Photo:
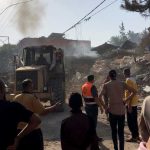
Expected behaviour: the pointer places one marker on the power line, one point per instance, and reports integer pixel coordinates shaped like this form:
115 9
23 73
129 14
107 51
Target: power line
8 19
84 16
11 14
101 10
15 5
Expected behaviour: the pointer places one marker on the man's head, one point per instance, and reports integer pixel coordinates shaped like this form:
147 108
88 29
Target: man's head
75 101
113 74
27 85
126 72
90 78
2 90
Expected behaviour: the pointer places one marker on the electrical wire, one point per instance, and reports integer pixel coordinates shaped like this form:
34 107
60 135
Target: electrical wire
15 5
101 10
4 23
8 21
84 17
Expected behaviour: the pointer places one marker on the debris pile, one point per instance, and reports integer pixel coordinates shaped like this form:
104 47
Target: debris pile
139 65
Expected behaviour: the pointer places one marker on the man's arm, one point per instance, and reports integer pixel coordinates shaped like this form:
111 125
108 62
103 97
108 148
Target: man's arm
95 95
51 108
40 109
132 93
27 116
103 93
32 124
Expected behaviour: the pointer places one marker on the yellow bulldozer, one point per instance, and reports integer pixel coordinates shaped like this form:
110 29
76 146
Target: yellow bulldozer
45 66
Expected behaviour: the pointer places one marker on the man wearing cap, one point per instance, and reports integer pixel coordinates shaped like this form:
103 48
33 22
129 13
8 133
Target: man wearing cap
90 95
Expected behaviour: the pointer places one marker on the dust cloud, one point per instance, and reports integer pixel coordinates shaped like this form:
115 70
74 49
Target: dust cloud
29 16
79 49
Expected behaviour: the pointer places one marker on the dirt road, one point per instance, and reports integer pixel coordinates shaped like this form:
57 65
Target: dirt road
51 130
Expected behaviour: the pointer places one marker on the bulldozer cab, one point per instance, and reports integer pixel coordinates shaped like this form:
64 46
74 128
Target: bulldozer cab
41 55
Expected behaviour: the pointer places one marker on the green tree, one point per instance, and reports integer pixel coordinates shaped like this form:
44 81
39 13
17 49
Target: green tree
115 40
134 37
140 6
144 33
122 32
121 38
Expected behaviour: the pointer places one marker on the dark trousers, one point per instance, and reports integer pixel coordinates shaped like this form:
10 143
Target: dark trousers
132 122
32 141
92 112
117 128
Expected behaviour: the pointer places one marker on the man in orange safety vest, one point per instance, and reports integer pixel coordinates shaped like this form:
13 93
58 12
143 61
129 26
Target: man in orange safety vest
90 95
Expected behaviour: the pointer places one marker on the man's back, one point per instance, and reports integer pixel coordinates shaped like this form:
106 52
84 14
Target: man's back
76 132
31 103
115 92
132 83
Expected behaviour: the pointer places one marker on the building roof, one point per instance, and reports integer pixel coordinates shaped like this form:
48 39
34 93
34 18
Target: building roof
128 45
56 36
104 47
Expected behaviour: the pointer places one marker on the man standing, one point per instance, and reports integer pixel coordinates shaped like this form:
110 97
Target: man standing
90 95
77 130
132 108
114 90
35 139
11 113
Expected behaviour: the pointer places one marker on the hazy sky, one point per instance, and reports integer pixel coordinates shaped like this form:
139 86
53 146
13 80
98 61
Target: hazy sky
59 15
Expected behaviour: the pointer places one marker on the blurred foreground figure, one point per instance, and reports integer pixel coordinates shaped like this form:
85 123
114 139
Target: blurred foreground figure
11 113
144 124
144 145
78 131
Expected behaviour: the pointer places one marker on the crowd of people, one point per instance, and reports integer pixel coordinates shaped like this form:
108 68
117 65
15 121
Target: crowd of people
20 121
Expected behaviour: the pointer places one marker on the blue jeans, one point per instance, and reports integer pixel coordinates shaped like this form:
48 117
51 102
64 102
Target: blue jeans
92 112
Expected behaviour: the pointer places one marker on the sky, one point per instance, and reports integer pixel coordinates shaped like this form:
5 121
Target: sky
58 15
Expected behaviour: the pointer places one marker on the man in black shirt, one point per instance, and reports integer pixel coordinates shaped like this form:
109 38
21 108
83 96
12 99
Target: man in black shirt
11 113
78 130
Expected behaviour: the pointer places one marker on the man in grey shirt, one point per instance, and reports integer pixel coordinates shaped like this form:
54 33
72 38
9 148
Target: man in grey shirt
114 90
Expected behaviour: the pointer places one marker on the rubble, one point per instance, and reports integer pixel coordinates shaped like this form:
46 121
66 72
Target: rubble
146 88
139 65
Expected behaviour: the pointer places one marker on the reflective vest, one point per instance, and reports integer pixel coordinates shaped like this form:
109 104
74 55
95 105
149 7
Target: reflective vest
86 93
86 90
